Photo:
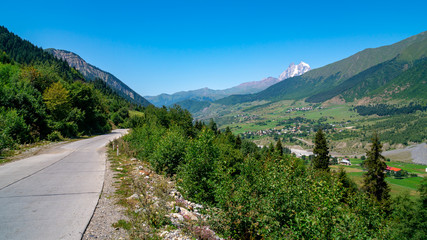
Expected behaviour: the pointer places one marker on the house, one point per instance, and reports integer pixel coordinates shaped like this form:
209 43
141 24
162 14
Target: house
388 169
345 161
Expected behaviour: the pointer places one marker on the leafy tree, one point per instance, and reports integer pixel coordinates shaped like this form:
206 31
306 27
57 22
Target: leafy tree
374 180
57 100
13 129
321 151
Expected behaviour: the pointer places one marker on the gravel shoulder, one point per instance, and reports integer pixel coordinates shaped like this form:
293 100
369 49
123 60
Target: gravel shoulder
107 212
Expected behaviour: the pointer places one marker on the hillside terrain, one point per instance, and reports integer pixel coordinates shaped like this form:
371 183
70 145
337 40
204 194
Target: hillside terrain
91 73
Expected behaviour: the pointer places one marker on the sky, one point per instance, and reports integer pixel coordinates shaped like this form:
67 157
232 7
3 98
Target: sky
169 46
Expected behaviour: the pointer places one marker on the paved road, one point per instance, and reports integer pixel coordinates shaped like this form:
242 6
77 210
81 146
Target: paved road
53 195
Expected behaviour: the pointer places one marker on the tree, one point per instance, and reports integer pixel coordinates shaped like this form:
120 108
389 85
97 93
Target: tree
321 152
279 147
349 187
57 100
374 180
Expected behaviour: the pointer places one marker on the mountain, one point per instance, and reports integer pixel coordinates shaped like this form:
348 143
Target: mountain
331 76
294 70
385 80
209 95
91 72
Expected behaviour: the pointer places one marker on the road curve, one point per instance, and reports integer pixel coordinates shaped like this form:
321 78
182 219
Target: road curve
53 195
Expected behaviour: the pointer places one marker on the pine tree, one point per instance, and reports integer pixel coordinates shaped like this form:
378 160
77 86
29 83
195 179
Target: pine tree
238 142
321 152
279 147
374 180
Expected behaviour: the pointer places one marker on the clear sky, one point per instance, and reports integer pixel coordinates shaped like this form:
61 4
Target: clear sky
168 46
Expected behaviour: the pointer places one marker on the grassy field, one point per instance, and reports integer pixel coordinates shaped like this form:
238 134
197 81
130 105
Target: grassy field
409 185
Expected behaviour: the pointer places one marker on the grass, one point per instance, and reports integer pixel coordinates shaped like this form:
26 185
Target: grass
397 186
411 183
410 167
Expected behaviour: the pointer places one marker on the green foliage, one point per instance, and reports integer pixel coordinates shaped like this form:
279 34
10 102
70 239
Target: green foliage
363 83
55 136
321 152
409 218
57 100
256 193
384 110
169 152
197 174
374 179
13 129
193 105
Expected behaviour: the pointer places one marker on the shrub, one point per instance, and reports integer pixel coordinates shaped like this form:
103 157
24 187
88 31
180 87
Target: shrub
169 152
55 136
196 176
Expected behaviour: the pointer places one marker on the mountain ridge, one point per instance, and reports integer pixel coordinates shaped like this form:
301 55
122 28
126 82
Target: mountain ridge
210 95
92 72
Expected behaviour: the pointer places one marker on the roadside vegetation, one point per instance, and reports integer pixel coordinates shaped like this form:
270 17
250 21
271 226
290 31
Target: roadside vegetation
265 193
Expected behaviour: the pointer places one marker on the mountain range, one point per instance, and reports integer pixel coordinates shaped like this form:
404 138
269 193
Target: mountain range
373 72
91 73
209 95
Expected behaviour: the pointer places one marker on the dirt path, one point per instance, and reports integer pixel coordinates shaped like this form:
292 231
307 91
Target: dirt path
415 154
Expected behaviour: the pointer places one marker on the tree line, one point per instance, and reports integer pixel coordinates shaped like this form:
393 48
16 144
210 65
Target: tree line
388 110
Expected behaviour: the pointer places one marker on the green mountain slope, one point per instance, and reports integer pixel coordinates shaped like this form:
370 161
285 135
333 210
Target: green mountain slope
410 85
372 81
330 76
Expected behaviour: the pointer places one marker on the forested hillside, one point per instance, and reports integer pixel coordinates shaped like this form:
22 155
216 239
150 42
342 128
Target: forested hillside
41 97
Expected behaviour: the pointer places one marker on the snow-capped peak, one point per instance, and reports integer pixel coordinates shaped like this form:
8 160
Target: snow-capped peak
294 70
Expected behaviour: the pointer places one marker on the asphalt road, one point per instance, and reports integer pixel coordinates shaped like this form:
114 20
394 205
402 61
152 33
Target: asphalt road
53 195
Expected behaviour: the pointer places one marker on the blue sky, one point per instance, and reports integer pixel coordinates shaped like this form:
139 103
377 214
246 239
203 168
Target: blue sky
168 46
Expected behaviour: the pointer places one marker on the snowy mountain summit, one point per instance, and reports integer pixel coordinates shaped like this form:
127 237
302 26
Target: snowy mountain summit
294 70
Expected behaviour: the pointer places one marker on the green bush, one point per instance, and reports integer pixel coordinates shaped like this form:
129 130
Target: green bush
55 136
196 176
169 152
13 129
